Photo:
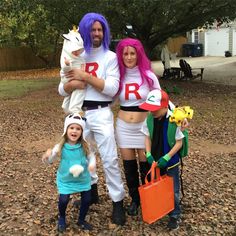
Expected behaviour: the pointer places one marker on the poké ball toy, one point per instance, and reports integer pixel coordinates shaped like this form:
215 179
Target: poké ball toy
181 113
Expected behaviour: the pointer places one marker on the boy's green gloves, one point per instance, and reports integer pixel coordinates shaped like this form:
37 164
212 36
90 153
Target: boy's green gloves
149 157
162 162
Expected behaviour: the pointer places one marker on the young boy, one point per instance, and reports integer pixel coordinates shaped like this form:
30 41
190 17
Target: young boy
167 157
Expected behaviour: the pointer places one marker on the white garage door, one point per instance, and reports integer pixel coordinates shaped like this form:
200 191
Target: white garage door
234 42
216 42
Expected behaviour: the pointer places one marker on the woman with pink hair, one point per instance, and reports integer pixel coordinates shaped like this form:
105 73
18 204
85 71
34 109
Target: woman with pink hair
136 80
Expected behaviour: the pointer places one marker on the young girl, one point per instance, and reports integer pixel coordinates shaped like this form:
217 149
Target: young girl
73 173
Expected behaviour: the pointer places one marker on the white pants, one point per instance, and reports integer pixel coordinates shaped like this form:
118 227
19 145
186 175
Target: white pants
100 126
74 102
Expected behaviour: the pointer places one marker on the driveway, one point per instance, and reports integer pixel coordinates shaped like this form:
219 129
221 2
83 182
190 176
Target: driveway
217 69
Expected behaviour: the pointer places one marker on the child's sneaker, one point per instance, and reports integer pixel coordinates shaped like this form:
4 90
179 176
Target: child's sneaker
84 225
61 225
173 223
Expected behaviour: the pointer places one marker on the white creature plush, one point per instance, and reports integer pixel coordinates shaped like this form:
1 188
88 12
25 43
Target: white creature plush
76 170
72 42
73 47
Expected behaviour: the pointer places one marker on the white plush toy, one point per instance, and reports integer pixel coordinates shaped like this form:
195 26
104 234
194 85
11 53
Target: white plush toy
72 49
72 42
76 170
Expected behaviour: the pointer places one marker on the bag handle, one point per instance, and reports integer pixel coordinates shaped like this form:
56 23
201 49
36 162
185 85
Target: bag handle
155 173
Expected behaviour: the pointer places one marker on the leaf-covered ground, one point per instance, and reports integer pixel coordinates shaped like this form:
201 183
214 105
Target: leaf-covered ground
28 196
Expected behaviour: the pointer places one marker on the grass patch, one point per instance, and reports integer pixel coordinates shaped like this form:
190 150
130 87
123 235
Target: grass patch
18 88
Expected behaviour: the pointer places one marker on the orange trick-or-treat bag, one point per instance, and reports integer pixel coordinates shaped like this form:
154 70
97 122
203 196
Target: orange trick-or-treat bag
156 196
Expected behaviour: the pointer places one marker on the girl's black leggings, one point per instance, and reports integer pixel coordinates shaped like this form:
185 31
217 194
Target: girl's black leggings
84 206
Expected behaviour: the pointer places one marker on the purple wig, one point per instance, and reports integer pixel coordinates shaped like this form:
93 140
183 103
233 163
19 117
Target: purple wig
85 27
143 62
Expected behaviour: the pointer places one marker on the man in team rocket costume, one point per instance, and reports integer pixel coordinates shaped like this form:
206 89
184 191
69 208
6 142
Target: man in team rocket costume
102 78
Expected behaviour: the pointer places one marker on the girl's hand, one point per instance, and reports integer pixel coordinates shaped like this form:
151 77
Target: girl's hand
46 155
91 168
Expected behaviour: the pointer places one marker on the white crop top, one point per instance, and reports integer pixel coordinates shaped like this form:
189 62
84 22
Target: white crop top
133 93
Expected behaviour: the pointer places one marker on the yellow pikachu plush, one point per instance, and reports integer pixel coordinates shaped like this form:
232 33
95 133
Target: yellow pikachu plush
181 113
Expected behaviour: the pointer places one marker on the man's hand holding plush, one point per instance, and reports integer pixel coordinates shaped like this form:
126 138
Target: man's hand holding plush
149 157
162 162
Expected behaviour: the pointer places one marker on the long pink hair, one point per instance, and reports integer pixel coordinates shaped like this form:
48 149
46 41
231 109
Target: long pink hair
143 62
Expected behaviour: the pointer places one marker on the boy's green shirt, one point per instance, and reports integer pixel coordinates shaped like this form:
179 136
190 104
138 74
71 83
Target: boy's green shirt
171 131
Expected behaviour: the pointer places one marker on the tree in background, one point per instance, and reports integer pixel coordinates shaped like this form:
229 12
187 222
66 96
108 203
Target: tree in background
39 23
154 21
29 23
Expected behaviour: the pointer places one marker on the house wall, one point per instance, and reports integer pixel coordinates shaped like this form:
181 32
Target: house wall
216 40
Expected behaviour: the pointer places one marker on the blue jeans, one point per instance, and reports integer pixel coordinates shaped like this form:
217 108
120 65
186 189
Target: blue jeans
174 172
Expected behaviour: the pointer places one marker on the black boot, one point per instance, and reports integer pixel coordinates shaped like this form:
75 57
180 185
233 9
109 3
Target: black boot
94 194
132 180
118 213
144 167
